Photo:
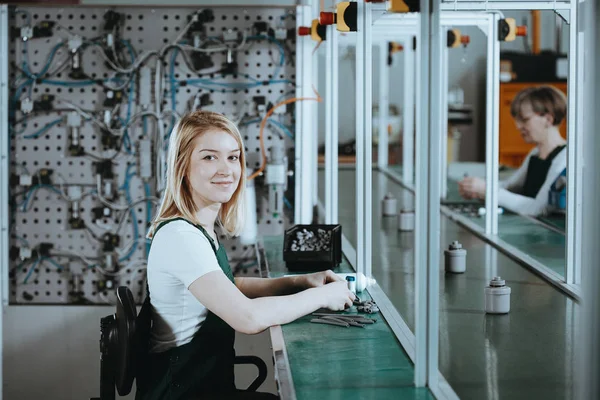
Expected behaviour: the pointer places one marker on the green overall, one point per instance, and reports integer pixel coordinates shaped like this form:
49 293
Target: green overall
202 368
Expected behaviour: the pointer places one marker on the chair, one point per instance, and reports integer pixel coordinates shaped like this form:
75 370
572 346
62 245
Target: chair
117 361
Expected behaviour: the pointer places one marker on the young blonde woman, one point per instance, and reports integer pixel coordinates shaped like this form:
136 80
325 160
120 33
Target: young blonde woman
196 304
538 112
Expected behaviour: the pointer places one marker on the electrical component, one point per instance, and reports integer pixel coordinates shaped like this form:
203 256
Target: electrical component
105 285
406 220
110 242
455 38
113 97
201 60
45 103
260 28
24 253
497 297
112 20
43 177
74 123
345 18
230 36
317 32
26 105
76 68
25 180
43 249
260 105
43 29
104 169
508 30
276 178
393 47
389 205
26 33
101 212
455 258
145 158
281 33
75 193
196 29
108 140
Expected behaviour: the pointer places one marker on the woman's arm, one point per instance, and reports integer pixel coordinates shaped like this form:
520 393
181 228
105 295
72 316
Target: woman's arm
538 205
262 287
222 297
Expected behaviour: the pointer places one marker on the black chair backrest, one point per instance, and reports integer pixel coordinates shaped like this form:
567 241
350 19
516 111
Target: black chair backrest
124 345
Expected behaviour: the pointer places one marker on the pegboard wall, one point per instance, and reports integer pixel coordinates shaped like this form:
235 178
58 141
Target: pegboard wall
94 95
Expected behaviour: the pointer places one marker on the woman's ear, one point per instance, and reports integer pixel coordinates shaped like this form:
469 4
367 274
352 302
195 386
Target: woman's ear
550 118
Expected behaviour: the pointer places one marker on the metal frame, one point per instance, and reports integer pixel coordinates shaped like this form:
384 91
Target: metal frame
574 150
364 141
492 131
4 167
331 127
383 105
304 124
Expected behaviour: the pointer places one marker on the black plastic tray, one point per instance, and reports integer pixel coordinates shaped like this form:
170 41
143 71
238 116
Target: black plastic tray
312 261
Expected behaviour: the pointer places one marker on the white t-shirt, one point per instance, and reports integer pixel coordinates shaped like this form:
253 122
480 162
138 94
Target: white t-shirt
180 254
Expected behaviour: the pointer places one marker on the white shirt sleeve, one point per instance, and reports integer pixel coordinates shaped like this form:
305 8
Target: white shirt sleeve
516 181
538 205
184 252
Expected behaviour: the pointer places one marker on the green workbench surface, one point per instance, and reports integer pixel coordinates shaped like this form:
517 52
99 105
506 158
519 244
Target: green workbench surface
540 243
330 362
526 354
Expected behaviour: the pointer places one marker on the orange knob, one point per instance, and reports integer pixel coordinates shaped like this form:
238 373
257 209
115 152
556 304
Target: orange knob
326 18
465 39
303 31
521 30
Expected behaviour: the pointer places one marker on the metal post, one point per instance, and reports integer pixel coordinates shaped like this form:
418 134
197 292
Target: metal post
411 75
304 123
492 126
4 166
421 196
364 143
589 350
438 44
574 149
331 127
384 105
444 119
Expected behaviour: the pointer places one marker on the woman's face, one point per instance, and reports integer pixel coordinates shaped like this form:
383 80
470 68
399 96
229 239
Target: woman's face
215 167
533 127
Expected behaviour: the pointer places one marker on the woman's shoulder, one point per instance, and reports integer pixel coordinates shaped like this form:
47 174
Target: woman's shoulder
177 228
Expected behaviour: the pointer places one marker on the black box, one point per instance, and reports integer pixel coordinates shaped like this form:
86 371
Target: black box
311 261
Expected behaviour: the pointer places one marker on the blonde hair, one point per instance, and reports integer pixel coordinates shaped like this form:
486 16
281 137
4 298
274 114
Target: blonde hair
177 198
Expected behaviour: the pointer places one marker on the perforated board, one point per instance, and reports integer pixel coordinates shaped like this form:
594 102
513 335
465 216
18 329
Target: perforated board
47 213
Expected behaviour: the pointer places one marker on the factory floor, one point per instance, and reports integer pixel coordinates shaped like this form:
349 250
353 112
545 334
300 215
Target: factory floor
526 354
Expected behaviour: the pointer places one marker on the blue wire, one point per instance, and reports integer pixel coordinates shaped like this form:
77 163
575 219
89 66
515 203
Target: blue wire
31 269
34 189
281 126
284 128
23 240
132 213
47 127
57 265
287 203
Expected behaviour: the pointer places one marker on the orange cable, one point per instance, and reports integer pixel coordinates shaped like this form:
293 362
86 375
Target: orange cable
264 123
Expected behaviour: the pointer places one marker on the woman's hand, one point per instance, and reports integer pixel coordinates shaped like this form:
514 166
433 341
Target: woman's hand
472 188
335 296
318 279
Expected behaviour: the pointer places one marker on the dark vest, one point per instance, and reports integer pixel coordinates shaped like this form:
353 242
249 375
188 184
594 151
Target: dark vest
194 370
